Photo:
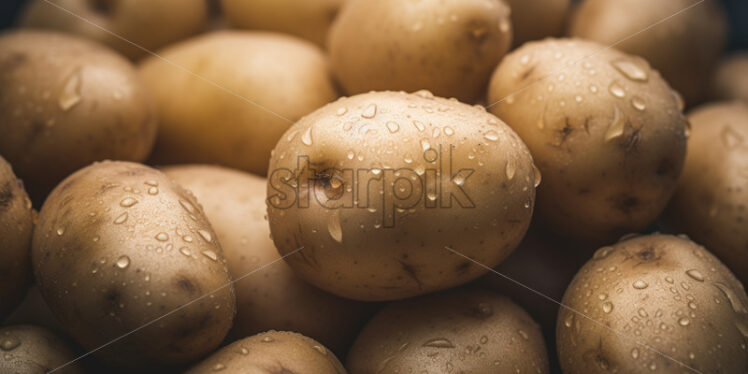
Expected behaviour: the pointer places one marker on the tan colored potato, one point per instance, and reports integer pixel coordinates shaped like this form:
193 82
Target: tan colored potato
308 19
537 19
16 224
731 78
117 247
269 295
711 201
654 304
465 331
667 33
272 352
67 102
605 129
446 46
29 349
242 92
127 26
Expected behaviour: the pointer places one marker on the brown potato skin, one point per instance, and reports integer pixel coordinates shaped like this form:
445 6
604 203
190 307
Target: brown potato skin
36 351
234 202
666 292
608 167
16 224
463 331
731 78
537 19
45 143
448 47
710 202
85 228
271 352
265 82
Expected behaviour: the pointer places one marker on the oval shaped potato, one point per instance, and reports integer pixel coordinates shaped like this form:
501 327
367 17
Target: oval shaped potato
144 24
308 19
464 331
655 304
369 196
712 195
117 247
665 32
65 103
33 350
271 352
731 78
242 92
604 128
537 19
234 202
446 46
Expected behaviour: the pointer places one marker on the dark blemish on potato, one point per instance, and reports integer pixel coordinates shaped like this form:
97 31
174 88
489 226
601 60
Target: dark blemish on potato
647 254
6 195
411 272
462 268
35 130
626 203
665 167
103 7
633 140
186 285
13 61
527 73
192 328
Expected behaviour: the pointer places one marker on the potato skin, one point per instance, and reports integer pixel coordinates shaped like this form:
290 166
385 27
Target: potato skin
234 202
663 291
65 103
463 331
117 246
279 79
16 224
710 202
605 130
271 352
537 19
446 46
364 238
731 79
33 350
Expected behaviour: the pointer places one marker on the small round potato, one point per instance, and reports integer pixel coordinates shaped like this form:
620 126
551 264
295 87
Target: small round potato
606 131
464 331
711 201
234 202
731 78
239 93
29 349
537 19
271 352
371 196
446 46
65 103
121 249
653 304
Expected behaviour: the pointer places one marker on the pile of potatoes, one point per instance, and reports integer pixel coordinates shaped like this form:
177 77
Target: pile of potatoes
373 187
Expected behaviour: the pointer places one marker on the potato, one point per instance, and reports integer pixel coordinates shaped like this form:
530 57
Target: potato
65 103
131 27
537 19
665 32
446 46
29 349
271 352
655 304
465 331
16 224
119 248
605 130
712 195
369 197
731 78
234 202
308 19
240 92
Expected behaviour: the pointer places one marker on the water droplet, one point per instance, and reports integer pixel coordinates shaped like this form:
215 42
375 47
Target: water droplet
187 206
491 136
218 367
185 251
603 253
341 111
731 138
607 307
370 111
616 127
734 299
483 339
320 349
616 90
205 235
504 25
630 70
538 176
244 351
638 103
60 231
684 321
419 125
121 218
425 145
695 274
593 88
123 262
333 226
153 191
128 202
70 95
210 254
640 285
635 353
511 169
9 343
438 343
187 238
642 313
306 138
523 334
449 131
393 127
267 339
162 236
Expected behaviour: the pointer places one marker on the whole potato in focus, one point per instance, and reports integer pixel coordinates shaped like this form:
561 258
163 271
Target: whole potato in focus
537 19
465 331
664 32
605 130
371 196
117 247
308 19
711 201
239 93
65 103
234 202
271 352
33 350
731 78
143 24
654 304
446 46
16 224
